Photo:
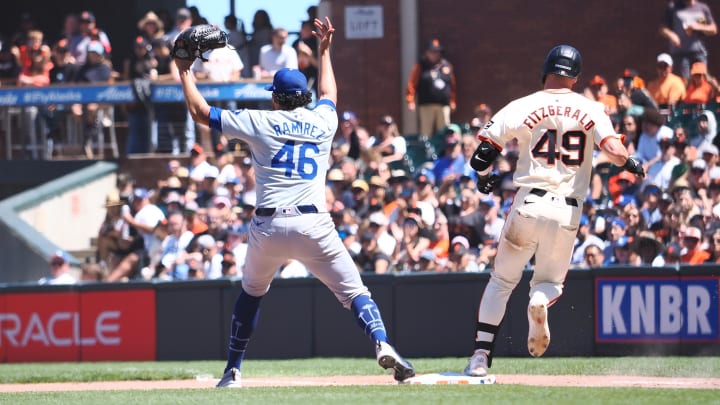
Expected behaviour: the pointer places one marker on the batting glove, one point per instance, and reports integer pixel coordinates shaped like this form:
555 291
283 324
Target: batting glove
486 183
633 166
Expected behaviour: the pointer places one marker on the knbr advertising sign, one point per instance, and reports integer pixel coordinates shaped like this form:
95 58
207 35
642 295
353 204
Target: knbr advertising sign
78 326
663 310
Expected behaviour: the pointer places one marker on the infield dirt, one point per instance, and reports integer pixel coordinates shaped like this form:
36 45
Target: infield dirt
249 382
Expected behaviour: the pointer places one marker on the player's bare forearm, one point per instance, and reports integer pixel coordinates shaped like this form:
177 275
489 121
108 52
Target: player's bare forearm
198 108
618 155
615 150
327 87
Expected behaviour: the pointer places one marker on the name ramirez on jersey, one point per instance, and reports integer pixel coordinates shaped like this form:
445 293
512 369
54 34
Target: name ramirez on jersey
558 111
290 150
298 128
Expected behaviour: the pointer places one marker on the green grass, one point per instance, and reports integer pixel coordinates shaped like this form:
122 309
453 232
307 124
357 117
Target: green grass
415 394
104 371
426 394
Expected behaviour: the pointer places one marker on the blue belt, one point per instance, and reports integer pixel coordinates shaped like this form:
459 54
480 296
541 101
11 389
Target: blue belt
303 209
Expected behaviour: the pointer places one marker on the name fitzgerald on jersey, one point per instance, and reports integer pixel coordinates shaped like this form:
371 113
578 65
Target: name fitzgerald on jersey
298 128
558 111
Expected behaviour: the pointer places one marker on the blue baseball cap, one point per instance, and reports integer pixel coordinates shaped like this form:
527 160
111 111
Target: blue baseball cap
140 194
60 256
623 241
288 81
349 116
652 189
619 222
488 200
624 200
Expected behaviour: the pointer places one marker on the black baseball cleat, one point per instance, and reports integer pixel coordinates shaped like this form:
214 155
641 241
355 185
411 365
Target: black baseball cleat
387 358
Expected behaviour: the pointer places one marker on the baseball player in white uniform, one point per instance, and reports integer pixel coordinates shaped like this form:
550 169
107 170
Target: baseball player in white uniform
557 131
290 150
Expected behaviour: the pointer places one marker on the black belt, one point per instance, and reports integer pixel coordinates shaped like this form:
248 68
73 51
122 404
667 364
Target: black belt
303 209
568 200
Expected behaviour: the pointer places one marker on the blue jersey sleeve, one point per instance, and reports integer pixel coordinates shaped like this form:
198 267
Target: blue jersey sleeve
326 102
216 118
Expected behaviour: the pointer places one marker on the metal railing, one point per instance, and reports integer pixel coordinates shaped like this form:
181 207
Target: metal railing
24 128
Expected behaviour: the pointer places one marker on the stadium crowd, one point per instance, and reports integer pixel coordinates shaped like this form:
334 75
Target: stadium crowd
402 203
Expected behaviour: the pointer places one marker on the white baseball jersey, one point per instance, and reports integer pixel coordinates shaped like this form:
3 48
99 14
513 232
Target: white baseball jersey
290 149
556 131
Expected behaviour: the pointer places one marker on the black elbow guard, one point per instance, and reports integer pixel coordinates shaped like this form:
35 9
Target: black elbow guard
484 156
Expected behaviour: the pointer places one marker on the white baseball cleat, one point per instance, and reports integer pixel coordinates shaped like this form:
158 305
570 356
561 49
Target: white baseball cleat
538 330
231 379
477 365
387 358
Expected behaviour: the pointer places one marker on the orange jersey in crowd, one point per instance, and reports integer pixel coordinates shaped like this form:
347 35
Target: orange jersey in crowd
702 94
697 256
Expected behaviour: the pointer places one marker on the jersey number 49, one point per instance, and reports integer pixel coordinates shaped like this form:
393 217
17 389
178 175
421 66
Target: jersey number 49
573 142
305 166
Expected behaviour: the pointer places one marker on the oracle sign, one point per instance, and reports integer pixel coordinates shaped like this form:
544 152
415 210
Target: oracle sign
47 331
76 326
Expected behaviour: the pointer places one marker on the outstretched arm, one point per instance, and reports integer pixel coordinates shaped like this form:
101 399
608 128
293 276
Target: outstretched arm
618 155
197 106
326 77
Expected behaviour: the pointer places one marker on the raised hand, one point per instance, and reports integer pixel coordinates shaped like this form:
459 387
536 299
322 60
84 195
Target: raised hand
324 33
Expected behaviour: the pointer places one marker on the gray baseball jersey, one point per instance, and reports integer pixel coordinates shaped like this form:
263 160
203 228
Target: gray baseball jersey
291 154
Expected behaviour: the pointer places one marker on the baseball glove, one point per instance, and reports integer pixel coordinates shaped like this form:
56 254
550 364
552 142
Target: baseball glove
194 41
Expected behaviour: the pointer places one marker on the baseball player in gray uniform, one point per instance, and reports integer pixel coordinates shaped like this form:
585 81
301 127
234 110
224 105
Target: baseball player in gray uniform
557 130
290 148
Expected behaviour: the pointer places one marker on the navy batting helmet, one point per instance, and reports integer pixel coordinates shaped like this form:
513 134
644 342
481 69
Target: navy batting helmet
563 60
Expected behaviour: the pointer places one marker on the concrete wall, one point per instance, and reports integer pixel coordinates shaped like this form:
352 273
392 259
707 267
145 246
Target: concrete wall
61 214
71 218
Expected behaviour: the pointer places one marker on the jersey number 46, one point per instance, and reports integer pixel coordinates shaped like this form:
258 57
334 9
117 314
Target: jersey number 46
305 166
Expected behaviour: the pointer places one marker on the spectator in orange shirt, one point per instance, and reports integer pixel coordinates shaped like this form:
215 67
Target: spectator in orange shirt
194 224
441 245
37 73
598 91
701 89
691 242
668 88
29 53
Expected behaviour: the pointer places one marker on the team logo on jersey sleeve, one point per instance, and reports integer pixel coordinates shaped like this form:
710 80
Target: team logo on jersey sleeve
489 124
